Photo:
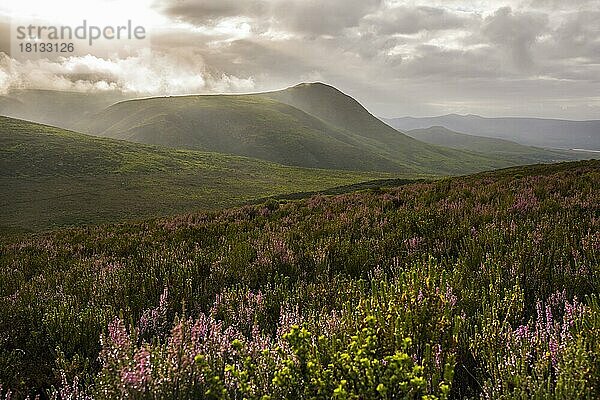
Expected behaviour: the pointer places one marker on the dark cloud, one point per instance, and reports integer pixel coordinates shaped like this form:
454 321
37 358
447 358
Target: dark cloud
310 17
316 17
410 20
203 12
515 33
578 36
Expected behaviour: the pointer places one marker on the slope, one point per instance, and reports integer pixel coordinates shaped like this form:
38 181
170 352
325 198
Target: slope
244 125
449 264
52 177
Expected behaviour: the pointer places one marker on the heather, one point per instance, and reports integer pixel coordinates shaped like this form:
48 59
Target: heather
474 287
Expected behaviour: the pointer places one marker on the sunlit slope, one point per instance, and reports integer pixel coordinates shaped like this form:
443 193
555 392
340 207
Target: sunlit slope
53 177
329 104
244 125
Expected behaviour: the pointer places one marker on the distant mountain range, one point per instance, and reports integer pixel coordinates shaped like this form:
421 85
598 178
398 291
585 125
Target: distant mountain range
310 125
548 133
501 148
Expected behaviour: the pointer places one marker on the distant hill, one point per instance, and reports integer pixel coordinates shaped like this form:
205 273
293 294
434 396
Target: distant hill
549 133
57 108
309 125
501 148
51 177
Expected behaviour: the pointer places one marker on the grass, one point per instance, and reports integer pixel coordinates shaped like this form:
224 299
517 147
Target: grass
52 177
482 286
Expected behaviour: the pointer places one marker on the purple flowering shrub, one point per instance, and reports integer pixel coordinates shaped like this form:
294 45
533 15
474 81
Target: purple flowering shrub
549 355
473 287
369 353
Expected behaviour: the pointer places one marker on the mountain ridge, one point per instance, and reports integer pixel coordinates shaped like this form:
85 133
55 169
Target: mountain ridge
540 132
309 125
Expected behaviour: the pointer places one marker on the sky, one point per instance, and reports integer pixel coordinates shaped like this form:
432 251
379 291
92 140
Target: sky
537 58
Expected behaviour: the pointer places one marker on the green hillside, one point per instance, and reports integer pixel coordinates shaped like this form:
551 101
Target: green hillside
52 177
501 148
244 125
309 125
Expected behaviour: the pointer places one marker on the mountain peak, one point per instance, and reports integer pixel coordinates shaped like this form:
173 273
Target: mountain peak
313 84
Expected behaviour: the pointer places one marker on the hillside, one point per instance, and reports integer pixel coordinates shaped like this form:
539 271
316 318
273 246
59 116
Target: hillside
51 177
309 125
507 150
244 125
476 287
548 133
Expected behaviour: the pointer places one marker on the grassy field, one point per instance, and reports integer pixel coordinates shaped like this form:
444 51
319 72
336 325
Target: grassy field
50 177
482 286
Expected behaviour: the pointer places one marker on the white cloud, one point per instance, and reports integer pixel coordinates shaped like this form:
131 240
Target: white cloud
396 56
146 73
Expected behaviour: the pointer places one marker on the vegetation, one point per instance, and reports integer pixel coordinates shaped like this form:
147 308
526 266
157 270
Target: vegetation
50 177
475 287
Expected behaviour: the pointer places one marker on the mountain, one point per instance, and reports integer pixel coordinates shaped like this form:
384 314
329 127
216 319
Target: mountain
308 125
550 133
57 108
507 150
247 125
53 177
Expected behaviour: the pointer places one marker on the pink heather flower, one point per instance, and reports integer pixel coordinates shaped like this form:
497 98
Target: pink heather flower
118 334
138 376
450 297
538 326
522 332
438 356
413 243
7 395
549 320
525 201
553 347
69 391
154 320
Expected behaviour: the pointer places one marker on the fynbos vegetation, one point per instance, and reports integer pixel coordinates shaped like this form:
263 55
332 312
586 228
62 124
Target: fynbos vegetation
476 287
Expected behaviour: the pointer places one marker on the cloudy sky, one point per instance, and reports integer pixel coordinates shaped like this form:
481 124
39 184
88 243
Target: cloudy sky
494 58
